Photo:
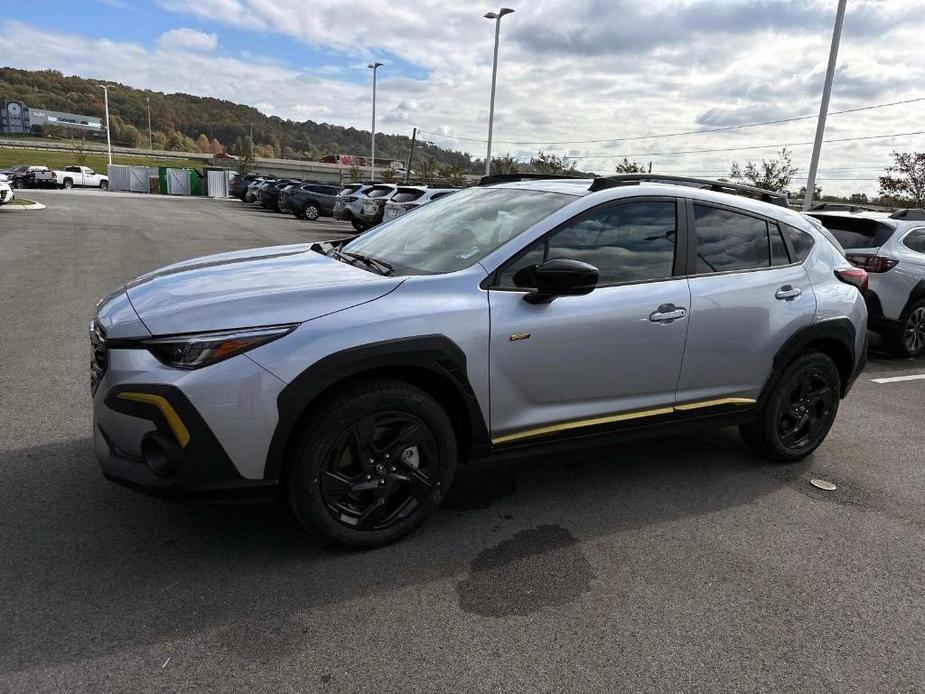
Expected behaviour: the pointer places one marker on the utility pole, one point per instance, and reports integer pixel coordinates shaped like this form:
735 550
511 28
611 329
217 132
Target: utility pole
824 107
414 134
650 167
494 76
105 88
150 136
372 158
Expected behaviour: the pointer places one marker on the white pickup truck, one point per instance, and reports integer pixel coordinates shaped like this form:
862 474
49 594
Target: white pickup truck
72 177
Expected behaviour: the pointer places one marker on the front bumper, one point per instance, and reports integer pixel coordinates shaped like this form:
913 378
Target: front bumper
199 435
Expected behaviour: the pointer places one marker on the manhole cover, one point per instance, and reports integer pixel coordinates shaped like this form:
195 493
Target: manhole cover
823 484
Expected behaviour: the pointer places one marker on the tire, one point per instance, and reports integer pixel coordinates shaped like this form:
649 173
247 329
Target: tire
333 488
909 339
798 412
18 184
104 185
358 225
67 184
311 212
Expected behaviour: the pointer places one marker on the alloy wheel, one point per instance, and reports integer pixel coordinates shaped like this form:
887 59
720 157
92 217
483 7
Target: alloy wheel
311 213
808 406
914 331
379 471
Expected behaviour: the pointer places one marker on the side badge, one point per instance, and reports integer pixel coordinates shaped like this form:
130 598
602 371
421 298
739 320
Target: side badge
519 336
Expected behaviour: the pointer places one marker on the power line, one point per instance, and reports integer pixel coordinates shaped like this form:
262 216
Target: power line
735 149
678 134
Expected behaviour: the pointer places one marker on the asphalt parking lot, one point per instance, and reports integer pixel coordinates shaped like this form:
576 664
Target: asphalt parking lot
682 564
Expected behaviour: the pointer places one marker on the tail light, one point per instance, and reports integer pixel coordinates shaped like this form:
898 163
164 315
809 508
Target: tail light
856 276
873 263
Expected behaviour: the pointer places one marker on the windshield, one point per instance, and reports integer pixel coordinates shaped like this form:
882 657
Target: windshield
456 231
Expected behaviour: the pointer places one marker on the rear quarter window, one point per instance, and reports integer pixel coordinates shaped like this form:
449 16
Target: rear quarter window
856 232
915 240
800 242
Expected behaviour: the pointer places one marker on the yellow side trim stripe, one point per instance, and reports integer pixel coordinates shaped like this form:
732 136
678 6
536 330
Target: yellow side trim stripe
714 403
623 416
180 432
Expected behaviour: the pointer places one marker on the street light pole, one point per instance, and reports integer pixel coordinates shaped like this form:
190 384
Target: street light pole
150 136
494 76
105 88
824 107
372 159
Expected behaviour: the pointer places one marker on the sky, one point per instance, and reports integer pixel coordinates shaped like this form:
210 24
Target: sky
592 79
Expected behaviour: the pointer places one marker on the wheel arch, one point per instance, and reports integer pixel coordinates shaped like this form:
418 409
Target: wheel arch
433 363
917 294
834 338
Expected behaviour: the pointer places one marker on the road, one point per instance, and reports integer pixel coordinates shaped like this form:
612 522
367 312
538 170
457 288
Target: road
682 564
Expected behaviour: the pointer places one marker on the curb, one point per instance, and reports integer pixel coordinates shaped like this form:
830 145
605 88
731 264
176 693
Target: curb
22 208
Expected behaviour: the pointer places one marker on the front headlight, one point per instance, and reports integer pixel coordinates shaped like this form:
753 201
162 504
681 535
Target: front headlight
193 351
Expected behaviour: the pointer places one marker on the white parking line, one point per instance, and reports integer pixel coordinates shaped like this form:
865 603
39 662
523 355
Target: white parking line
897 379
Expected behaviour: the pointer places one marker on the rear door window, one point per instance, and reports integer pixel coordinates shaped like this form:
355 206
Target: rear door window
729 240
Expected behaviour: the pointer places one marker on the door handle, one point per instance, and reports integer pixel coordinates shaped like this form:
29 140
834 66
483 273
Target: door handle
787 292
667 313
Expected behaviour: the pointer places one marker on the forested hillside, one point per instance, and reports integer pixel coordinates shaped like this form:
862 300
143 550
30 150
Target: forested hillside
186 123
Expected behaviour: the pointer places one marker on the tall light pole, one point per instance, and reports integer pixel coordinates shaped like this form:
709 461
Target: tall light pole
372 160
494 76
824 107
105 88
150 136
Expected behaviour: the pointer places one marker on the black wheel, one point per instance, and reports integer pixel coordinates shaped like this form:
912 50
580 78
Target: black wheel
799 411
909 339
374 463
68 184
17 183
104 185
311 212
358 225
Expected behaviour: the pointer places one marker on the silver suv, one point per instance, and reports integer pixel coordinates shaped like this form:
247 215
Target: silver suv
513 317
891 248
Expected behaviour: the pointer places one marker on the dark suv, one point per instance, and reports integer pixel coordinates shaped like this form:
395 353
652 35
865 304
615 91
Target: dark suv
311 200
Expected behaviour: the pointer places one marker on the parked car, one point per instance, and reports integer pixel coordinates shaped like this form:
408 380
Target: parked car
6 193
23 175
349 204
373 207
312 200
72 177
891 248
408 198
372 366
269 195
240 184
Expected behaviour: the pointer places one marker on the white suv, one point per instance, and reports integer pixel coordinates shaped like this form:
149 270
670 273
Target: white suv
891 247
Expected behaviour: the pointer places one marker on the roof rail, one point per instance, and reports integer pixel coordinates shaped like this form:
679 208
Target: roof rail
911 215
841 207
719 186
513 178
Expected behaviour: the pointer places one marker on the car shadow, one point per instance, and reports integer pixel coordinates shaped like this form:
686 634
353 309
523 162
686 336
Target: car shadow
91 569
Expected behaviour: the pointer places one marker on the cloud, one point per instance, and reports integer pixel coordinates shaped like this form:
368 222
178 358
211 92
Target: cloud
601 70
187 39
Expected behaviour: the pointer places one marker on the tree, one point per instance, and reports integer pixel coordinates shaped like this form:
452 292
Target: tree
355 174
455 175
216 147
81 156
203 143
629 167
908 186
858 198
505 164
389 175
817 192
427 170
546 162
770 174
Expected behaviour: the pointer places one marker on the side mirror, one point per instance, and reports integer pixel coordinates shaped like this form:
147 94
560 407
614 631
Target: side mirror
559 277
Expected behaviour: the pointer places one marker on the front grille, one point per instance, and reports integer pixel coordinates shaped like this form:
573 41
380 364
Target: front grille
99 358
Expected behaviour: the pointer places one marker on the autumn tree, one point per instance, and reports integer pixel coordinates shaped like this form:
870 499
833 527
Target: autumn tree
769 174
203 143
907 184
629 167
216 147
548 163
505 164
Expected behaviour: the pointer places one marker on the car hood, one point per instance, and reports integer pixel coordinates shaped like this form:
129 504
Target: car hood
263 286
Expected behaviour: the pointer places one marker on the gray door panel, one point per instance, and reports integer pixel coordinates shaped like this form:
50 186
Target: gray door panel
586 356
737 323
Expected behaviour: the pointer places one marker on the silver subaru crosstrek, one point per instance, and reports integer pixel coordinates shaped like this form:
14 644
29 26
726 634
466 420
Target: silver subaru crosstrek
514 317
